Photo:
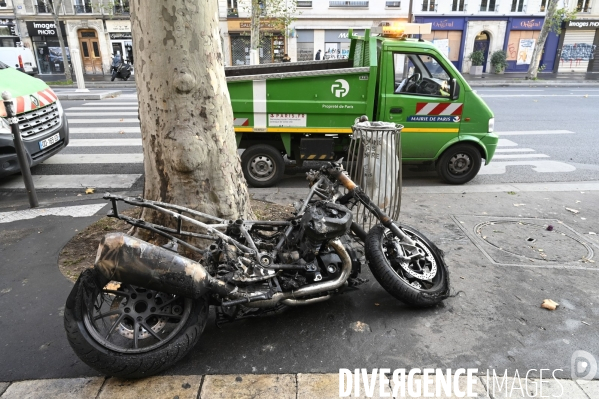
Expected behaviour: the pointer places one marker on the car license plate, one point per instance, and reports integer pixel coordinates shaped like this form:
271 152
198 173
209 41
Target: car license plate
49 141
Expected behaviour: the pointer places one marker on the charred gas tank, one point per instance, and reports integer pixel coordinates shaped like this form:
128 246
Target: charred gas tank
322 221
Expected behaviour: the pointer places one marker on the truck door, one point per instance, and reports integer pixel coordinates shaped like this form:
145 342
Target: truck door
416 94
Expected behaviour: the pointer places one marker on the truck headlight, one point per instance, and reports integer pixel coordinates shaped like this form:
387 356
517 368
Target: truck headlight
4 127
491 125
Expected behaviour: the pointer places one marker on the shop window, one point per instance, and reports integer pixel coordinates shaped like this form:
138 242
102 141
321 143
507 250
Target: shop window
428 5
583 6
488 5
518 6
457 5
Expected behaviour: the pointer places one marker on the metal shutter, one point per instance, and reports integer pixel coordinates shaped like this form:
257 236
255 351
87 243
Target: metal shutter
577 50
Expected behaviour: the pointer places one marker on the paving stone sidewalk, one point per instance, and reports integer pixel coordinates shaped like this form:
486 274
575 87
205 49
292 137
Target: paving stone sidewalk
270 386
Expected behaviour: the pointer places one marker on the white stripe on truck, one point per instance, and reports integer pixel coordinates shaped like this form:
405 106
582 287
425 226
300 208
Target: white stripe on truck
259 103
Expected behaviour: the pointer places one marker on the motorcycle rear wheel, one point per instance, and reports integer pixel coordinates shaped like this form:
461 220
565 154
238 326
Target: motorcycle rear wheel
130 332
421 281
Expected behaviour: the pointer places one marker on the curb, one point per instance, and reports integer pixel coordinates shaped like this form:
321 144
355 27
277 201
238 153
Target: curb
533 83
88 96
272 386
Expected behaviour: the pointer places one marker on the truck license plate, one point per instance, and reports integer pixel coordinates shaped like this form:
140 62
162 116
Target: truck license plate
49 141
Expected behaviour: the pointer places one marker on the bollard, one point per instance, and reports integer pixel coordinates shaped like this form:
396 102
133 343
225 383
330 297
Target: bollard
13 121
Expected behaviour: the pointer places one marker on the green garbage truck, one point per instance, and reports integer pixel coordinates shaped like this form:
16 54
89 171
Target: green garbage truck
305 110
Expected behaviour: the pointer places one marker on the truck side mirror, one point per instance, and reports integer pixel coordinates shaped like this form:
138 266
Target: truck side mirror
454 89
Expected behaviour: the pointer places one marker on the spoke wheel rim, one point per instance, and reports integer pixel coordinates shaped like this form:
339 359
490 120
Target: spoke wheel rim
116 314
262 167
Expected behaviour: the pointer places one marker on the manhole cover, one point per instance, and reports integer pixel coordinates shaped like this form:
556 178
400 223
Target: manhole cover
531 240
527 242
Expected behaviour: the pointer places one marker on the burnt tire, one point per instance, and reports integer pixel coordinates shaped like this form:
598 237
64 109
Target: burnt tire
459 164
395 279
119 364
263 165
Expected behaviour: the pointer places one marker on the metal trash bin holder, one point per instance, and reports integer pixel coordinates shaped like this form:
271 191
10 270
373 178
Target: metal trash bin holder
374 163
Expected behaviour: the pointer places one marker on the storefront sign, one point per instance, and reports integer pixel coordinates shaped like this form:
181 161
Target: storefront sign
527 23
118 26
443 23
120 36
44 28
340 35
587 24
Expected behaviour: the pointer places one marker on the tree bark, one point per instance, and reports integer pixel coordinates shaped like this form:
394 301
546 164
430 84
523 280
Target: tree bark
190 152
65 60
533 68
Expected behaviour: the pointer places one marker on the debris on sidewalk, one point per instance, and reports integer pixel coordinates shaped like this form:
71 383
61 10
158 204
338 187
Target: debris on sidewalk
584 322
574 211
550 228
549 304
592 233
359 326
90 190
519 204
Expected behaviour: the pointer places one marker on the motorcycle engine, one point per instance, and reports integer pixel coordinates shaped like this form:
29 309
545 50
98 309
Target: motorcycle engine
322 221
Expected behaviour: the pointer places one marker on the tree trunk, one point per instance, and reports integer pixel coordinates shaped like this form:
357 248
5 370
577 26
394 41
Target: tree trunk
255 25
533 68
65 60
190 152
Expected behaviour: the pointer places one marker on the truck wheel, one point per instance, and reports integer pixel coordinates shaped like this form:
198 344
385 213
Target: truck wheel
263 165
459 164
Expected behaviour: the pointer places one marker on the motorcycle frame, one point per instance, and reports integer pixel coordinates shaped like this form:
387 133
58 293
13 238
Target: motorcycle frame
321 187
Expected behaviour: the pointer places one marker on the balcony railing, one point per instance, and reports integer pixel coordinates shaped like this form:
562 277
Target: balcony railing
393 4
41 8
348 4
232 13
429 6
83 8
304 4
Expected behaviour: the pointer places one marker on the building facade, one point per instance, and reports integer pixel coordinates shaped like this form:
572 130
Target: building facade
9 34
96 29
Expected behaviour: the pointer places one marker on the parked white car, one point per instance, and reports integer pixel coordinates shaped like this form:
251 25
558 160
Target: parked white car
20 58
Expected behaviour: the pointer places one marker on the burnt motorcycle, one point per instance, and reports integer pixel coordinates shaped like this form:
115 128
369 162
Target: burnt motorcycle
143 307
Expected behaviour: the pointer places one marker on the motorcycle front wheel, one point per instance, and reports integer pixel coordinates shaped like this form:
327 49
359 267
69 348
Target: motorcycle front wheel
130 332
416 275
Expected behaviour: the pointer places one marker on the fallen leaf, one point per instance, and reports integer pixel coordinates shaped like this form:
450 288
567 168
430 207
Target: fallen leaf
519 204
511 192
462 278
549 304
78 195
540 250
359 326
89 190
574 211
592 233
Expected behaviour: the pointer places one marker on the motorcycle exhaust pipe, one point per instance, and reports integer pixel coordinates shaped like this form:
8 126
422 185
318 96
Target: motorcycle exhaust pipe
294 297
133 261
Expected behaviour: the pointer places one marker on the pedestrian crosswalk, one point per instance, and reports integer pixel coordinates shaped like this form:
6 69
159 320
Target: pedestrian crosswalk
105 149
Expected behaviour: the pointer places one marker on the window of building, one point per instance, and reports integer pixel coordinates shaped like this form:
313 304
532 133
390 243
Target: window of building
393 4
583 6
518 6
488 5
232 10
428 5
543 5
457 5
304 4
348 3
